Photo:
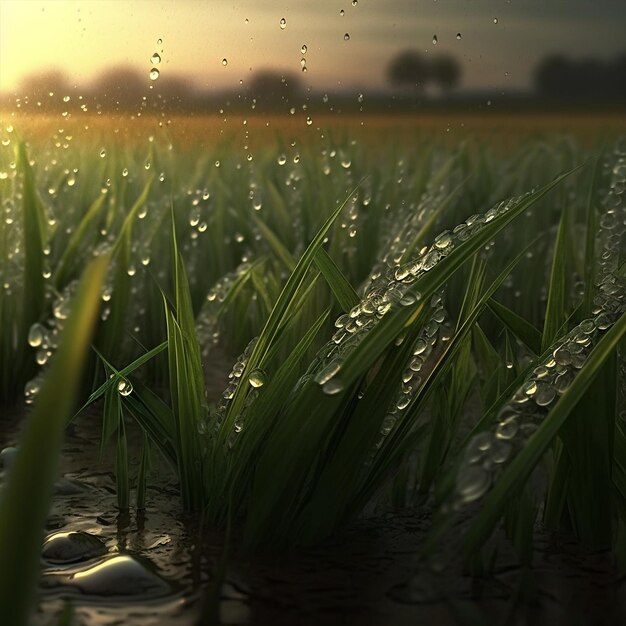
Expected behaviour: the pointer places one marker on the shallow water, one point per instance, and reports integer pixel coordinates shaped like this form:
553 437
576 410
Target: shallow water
153 567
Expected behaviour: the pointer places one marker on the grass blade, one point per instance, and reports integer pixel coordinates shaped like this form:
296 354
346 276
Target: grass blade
22 518
346 296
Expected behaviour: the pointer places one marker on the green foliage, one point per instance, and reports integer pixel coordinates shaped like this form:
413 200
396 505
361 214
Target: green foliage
26 496
434 334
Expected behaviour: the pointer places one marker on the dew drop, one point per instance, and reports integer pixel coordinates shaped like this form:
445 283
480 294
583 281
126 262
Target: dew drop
500 452
458 35
303 49
403 402
224 61
257 378
332 387
155 58
124 387
154 73
435 40
472 483
42 356
103 153
327 373
507 428
495 20
283 23
35 336
545 394
346 37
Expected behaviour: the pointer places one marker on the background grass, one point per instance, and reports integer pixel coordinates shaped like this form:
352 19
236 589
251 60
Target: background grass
412 321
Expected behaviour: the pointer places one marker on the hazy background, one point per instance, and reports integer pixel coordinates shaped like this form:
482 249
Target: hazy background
496 44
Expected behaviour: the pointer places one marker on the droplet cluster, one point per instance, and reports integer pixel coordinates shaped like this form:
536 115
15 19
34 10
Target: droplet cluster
489 451
207 322
256 379
44 336
390 286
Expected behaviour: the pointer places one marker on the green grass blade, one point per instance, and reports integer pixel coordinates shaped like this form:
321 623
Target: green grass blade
34 238
520 327
67 264
121 463
557 295
281 310
275 244
124 372
26 496
155 417
346 296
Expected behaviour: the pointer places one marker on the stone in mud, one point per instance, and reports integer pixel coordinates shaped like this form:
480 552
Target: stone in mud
122 577
72 547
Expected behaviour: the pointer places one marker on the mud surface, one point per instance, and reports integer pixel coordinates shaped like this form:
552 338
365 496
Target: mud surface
156 567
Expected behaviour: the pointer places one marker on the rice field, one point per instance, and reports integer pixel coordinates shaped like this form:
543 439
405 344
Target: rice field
307 324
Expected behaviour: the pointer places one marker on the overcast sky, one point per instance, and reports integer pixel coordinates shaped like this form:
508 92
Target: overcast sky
501 40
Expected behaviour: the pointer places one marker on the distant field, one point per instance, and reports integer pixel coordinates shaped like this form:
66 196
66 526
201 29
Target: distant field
257 129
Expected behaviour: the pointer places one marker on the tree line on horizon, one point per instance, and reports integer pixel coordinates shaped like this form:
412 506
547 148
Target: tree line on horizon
410 75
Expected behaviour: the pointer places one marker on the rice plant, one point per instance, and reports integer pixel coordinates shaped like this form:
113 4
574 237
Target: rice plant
436 329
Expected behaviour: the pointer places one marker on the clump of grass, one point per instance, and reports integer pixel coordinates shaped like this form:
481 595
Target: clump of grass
374 352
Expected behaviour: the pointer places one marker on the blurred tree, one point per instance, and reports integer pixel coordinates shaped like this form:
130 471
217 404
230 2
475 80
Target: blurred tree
554 76
446 72
41 84
272 88
557 77
409 69
175 91
121 87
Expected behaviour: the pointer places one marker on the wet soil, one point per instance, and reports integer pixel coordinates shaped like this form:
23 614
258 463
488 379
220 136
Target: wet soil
156 567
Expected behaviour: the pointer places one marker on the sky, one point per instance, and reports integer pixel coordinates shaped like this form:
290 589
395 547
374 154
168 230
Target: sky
500 43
